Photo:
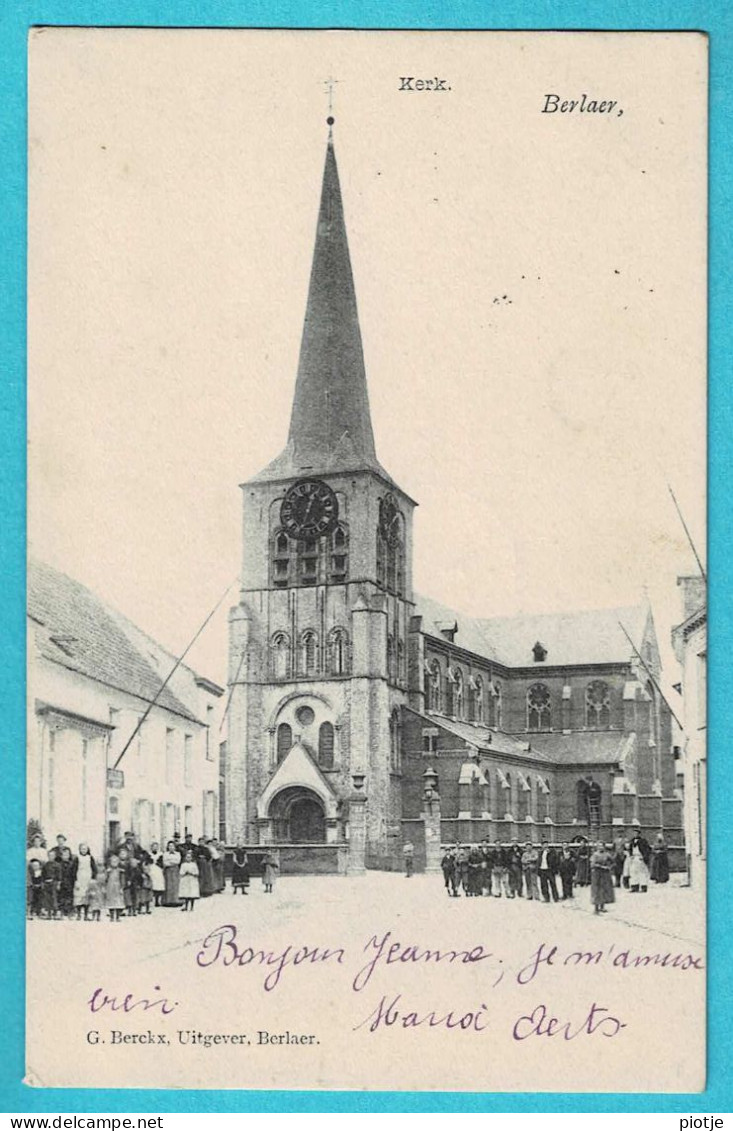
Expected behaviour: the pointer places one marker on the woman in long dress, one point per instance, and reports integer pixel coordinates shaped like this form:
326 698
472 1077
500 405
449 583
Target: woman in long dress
157 876
85 870
659 871
217 865
240 869
189 882
206 875
639 864
171 861
582 875
601 878
114 895
626 869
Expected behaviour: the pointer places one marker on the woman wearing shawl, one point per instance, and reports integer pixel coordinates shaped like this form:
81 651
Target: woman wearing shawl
659 870
171 871
601 878
240 869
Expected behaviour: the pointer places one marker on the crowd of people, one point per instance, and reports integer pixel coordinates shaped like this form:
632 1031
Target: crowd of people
132 880
533 871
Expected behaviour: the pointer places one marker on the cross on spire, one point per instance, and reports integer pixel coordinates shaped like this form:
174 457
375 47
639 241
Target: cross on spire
330 83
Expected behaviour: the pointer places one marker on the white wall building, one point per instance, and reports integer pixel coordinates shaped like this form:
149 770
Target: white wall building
690 644
91 677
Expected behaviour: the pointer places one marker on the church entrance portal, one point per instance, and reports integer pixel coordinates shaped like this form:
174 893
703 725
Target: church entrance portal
298 817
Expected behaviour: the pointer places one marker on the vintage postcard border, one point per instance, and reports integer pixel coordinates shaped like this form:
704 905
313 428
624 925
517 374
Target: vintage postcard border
529 14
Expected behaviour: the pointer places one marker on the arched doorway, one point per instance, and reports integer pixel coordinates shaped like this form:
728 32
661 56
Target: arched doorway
298 816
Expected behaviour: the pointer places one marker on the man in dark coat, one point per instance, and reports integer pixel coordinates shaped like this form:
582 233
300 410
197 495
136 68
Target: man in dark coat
515 870
619 856
547 872
475 862
462 869
567 872
448 864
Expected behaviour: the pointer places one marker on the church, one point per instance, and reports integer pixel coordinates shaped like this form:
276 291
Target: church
362 716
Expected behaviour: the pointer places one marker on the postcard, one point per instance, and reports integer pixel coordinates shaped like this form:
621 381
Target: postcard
366 583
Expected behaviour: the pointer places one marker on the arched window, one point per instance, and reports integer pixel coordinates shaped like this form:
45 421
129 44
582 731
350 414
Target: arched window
398 551
508 791
435 698
391 546
458 694
597 705
339 565
325 746
547 795
280 655
401 674
497 701
395 741
390 657
523 798
652 713
477 700
308 652
338 651
284 740
539 709
283 553
381 559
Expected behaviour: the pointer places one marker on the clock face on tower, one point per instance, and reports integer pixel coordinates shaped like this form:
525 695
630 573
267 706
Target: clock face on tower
309 509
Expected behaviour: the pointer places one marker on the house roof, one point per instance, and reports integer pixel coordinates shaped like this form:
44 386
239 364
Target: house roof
74 628
589 636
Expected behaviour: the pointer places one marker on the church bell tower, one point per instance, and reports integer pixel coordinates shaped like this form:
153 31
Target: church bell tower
318 641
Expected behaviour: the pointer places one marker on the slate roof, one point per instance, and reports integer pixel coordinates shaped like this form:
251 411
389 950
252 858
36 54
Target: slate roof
75 629
590 636
495 742
586 747
330 425
579 747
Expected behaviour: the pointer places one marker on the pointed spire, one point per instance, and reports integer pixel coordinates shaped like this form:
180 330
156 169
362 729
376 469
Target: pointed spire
330 424
331 406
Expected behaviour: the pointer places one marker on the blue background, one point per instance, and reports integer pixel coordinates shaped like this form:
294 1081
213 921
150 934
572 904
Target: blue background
15 19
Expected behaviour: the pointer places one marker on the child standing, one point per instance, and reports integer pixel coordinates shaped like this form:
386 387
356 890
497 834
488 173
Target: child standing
51 872
156 873
269 870
114 890
96 900
189 882
35 889
145 893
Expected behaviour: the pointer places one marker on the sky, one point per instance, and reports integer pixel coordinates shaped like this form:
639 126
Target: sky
531 290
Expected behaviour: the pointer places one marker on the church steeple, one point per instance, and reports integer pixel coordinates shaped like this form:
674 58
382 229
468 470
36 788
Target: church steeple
330 424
